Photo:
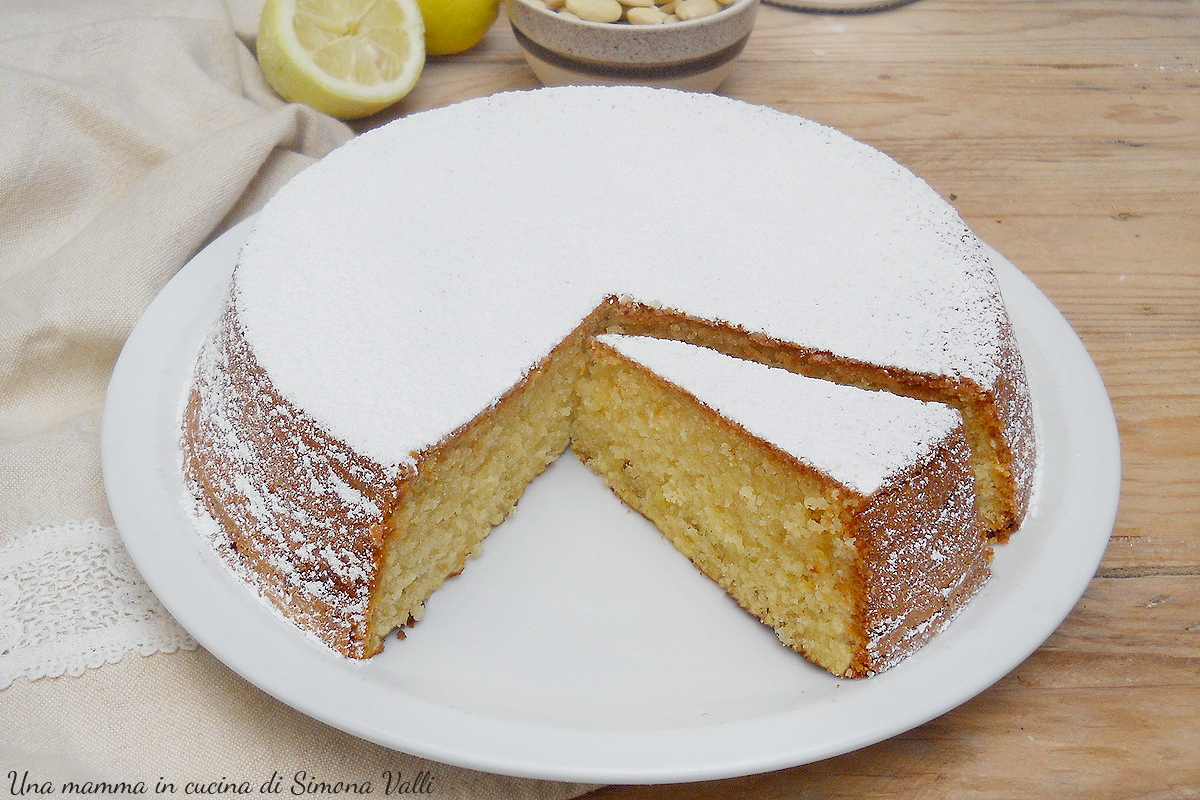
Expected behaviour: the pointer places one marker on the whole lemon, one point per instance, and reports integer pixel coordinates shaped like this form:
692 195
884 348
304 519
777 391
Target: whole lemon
452 26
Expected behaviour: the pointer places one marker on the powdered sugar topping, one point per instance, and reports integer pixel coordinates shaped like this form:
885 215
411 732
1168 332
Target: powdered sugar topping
860 438
405 282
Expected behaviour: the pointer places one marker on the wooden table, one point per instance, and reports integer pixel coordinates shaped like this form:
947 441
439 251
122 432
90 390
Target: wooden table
1067 134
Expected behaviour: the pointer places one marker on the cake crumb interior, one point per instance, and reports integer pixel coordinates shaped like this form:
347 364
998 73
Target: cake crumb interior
776 544
466 486
768 530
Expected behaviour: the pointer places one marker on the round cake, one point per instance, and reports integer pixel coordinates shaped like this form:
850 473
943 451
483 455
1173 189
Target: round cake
409 323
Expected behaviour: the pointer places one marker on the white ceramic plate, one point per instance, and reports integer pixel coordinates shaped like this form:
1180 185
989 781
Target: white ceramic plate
581 646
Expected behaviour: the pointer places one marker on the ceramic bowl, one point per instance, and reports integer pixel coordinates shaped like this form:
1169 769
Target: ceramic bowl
696 54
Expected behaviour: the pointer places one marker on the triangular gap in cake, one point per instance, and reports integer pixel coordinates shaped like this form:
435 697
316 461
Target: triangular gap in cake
997 419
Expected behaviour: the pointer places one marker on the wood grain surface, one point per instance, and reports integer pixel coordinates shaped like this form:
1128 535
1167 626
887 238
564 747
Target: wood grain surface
1067 134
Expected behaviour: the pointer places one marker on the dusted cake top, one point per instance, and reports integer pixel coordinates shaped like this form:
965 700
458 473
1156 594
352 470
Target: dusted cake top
410 278
859 438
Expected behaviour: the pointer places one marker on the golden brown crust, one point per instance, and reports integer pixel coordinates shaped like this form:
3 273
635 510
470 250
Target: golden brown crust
299 511
923 550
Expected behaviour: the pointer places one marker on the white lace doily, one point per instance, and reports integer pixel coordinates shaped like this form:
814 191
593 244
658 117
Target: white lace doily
71 600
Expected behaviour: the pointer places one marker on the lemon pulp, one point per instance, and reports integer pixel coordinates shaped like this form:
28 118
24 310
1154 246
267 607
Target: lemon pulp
347 58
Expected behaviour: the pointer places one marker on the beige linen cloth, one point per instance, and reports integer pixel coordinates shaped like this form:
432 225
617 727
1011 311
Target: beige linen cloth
131 133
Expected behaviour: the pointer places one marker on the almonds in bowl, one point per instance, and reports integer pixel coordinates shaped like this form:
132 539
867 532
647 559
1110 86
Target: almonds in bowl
682 44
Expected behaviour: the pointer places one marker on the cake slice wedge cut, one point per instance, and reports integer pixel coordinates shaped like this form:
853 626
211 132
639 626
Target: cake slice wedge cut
843 518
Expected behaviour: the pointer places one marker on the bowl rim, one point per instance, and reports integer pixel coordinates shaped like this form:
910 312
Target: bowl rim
724 13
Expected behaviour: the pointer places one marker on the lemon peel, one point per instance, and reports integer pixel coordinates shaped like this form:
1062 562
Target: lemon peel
452 26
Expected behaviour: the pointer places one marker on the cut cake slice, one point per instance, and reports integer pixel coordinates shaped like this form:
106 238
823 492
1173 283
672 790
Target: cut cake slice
843 518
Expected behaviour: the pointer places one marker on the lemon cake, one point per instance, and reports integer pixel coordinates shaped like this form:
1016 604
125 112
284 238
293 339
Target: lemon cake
415 326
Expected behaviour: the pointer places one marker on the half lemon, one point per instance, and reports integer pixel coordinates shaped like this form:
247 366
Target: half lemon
347 58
